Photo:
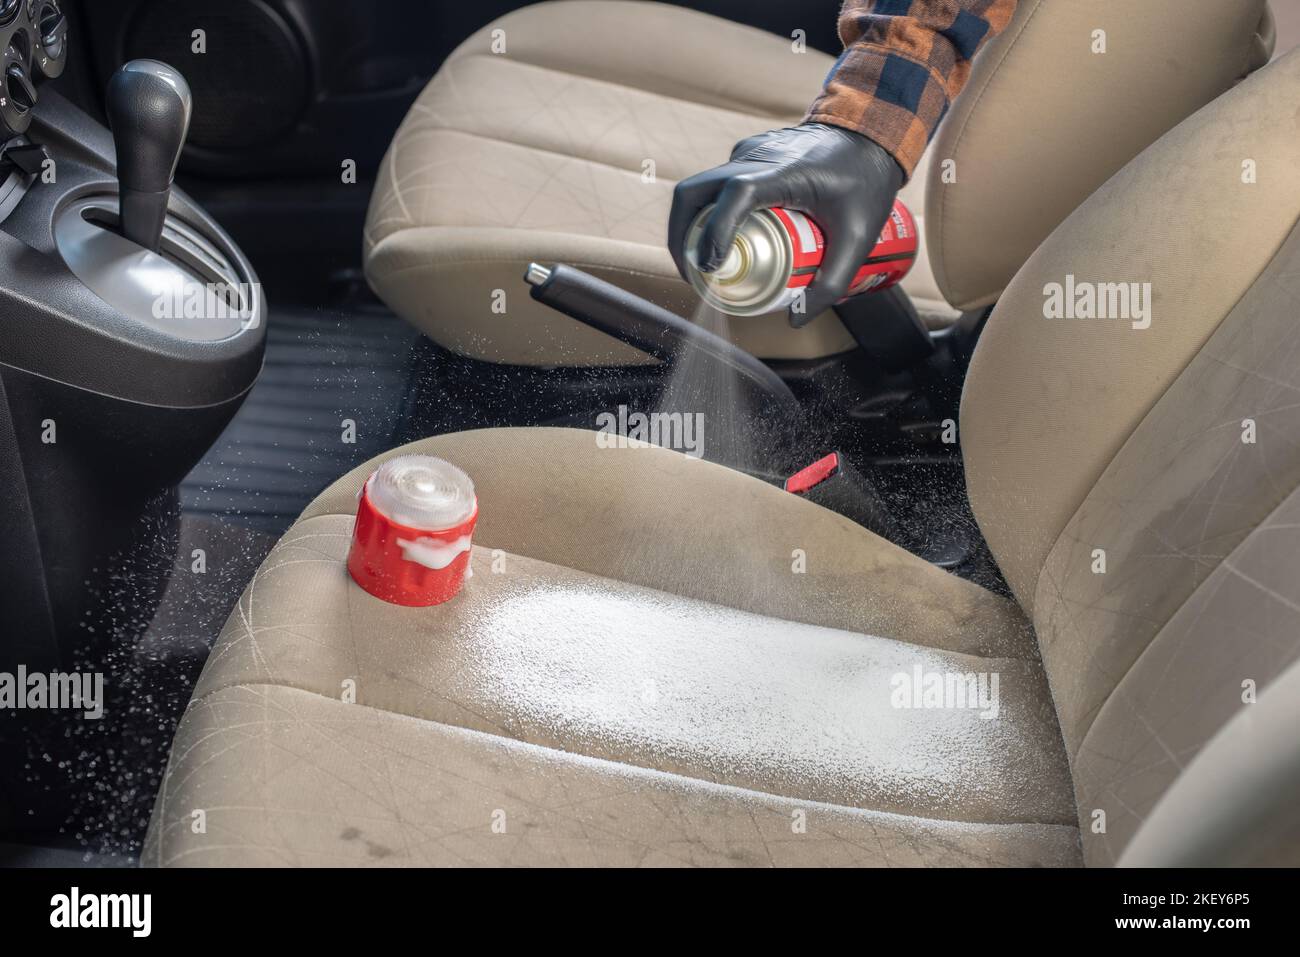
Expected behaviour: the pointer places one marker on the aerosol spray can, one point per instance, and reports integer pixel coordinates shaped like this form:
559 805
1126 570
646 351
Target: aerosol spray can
776 253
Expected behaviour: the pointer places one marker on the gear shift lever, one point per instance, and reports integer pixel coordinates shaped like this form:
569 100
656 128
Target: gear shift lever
149 109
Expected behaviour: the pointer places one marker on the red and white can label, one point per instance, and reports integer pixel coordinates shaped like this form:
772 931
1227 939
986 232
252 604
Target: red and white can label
889 261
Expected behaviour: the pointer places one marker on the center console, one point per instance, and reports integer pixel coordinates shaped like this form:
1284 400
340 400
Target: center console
131 327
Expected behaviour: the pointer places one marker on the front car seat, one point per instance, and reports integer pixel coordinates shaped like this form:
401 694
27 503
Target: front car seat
662 661
558 132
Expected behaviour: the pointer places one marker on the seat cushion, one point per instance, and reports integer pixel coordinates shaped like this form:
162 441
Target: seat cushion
638 672
565 147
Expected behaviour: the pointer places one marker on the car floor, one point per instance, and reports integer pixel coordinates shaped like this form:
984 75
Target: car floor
83 789
328 398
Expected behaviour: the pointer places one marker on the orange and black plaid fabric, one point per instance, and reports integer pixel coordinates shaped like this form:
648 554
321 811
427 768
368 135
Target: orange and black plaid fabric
904 62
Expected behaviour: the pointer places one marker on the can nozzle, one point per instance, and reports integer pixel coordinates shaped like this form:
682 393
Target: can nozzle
735 267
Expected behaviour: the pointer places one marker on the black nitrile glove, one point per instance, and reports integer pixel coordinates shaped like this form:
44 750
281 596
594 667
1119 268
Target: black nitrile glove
843 180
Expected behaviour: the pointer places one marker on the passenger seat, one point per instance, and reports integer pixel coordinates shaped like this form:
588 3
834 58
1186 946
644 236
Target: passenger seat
558 132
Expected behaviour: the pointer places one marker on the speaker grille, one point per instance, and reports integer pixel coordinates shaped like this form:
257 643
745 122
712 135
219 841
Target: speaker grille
250 87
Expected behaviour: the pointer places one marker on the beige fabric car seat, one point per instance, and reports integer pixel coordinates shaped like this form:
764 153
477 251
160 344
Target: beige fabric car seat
661 661
558 132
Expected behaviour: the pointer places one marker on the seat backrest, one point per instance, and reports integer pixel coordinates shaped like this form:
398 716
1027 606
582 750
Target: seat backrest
1079 89
1136 476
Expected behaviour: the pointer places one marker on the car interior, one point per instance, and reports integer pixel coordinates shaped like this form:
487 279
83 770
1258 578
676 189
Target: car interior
252 251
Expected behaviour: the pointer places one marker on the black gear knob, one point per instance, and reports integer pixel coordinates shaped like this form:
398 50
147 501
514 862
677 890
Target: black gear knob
149 109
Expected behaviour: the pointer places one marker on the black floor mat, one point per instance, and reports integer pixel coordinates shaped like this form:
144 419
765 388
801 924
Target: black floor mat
291 439
86 787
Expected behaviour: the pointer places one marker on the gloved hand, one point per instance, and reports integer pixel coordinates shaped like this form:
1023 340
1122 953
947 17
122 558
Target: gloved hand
843 180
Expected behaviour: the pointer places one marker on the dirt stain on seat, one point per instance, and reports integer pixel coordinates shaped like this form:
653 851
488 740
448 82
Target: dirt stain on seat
373 849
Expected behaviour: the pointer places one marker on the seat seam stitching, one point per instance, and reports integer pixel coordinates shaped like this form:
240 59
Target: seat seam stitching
623 86
439 128
496 261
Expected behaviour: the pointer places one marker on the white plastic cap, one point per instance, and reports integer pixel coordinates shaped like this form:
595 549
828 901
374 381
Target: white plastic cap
423 492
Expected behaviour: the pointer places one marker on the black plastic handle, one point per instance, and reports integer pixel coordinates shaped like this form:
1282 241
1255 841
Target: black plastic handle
650 328
149 108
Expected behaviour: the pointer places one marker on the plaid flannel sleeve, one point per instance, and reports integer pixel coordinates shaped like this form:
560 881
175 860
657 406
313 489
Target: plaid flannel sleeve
904 62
